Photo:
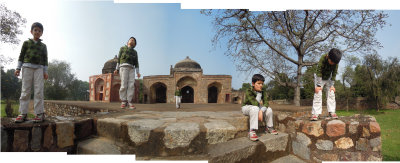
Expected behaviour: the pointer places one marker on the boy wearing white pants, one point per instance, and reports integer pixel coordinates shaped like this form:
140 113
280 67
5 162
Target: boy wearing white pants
255 105
178 97
127 66
325 76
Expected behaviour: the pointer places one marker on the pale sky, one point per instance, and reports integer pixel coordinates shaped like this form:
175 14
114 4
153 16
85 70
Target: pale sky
88 33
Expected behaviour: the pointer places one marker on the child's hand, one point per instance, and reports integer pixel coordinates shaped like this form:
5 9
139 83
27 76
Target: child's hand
138 75
260 115
45 76
317 89
16 73
115 72
332 88
261 103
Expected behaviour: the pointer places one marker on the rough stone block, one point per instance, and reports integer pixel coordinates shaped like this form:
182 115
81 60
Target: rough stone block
344 143
139 131
65 134
275 142
21 140
313 128
36 138
110 128
329 157
241 123
97 146
374 158
180 134
351 156
335 128
282 116
83 128
324 145
374 127
365 133
48 137
218 132
376 144
353 127
300 146
4 140
232 151
287 159
362 144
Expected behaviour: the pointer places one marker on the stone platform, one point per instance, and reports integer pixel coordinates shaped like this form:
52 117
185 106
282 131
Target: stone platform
216 133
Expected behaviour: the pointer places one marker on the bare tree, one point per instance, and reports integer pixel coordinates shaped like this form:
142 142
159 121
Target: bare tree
287 41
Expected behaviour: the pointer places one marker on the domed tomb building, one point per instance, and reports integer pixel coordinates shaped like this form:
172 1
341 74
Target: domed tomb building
105 87
196 87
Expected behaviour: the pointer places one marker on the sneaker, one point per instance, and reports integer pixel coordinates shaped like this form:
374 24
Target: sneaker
271 130
21 118
253 136
314 117
333 115
131 106
39 118
123 105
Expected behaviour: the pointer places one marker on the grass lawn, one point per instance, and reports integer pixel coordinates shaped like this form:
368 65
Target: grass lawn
15 106
389 121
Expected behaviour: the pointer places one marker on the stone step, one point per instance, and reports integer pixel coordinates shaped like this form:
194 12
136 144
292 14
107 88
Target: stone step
242 149
103 145
288 158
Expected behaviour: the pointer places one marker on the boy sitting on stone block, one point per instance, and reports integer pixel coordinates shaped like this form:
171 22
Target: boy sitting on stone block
256 106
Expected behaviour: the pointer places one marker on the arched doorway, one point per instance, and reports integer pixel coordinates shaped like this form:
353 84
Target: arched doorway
99 85
158 93
212 94
187 94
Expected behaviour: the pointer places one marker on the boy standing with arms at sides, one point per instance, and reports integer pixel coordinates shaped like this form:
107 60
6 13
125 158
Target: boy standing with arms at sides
33 61
256 106
178 97
326 73
127 65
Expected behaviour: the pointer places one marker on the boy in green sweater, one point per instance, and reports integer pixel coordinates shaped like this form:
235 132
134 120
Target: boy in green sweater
178 97
33 62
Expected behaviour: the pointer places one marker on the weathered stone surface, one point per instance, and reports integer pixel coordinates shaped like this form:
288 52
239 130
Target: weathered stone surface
83 128
335 128
21 140
48 137
281 127
275 142
287 159
232 151
36 138
351 156
376 144
65 134
4 140
374 127
291 127
353 127
218 132
139 131
97 146
180 134
324 145
365 133
344 143
282 116
329 157
298 123
362 144
300 146
239 122
313 128
374 158
110 128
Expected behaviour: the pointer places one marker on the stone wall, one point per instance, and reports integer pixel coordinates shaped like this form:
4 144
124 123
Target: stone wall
55 109
352 138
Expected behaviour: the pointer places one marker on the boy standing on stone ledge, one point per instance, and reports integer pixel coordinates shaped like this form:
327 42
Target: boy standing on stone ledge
325 75
178 97
33 61
127 65
256 106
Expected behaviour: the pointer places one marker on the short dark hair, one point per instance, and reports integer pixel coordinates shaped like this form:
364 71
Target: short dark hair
257 77
134 39
37 24
335 55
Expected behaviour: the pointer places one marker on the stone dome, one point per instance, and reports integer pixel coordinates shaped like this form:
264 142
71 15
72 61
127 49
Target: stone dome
187 64
110 65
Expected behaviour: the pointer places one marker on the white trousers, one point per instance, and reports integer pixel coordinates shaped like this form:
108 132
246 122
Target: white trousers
178 101
32 76
252 112
127 89
317 101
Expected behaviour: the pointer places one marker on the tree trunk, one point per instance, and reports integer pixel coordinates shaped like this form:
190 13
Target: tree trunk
296 99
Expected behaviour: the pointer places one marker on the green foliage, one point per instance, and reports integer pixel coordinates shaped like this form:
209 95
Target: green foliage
277 91
10 85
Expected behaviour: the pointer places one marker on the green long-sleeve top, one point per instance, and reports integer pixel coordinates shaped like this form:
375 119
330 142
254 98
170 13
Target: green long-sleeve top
250 98
178 92
128 56
325 70
33 53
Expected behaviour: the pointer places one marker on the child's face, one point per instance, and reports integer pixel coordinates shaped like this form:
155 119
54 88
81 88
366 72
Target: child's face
36 33
131 42
258 85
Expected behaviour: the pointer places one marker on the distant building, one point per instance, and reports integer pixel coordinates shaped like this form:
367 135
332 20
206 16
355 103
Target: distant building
195 86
